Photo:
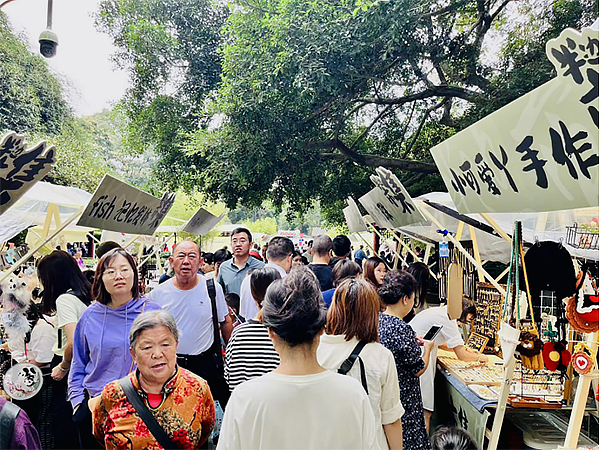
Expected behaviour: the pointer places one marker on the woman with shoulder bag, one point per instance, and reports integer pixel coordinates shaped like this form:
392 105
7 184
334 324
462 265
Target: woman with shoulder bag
66 293
101 343
352 326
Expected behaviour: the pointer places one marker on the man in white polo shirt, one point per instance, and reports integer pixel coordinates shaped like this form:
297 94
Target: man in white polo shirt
280 252
186 297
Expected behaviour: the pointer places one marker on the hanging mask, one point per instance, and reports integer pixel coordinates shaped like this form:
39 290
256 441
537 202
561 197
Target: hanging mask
583 362
556 356
587 301
582 309
530 349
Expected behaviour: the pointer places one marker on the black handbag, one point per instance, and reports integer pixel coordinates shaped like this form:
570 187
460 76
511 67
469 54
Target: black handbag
140 407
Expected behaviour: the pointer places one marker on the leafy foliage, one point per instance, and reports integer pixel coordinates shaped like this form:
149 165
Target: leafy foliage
315 94
169 48
31 97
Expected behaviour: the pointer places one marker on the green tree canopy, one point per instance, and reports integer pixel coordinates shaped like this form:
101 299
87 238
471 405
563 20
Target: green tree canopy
315 94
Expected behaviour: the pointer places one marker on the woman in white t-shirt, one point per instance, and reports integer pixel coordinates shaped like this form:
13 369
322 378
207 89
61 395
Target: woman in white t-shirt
67 293
353 318
449 337
300 404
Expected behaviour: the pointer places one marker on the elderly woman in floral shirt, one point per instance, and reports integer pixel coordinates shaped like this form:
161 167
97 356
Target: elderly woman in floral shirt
179 400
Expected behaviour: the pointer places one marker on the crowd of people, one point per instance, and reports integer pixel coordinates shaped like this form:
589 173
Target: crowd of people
297 349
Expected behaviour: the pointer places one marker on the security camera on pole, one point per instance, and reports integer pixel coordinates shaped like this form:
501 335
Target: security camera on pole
48 39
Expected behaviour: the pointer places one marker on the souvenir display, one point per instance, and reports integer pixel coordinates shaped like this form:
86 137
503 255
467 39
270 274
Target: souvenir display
487 321
477 342
556 356
530 348
484 392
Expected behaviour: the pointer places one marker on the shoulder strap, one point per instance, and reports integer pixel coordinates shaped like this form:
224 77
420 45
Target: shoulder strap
138 404
212 293
349 362
8 417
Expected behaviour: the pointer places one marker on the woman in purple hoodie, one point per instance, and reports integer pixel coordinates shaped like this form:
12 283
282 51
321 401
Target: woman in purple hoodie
101 341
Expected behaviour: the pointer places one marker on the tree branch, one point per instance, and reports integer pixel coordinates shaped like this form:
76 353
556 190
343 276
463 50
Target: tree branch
449 8
423 120
371 160
436 91
366 130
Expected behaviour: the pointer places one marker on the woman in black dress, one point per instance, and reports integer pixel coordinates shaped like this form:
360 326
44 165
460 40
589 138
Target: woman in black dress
398 294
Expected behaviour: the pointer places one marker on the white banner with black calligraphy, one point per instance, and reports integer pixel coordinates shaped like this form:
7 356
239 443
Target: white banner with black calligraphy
117 206
202 222
400 205
353 217
538 153
21 167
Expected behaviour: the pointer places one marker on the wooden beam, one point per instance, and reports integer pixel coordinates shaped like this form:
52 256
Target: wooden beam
462 218
460 248
386 241
502 403
496 227
459 231
581 397
476 252
504 272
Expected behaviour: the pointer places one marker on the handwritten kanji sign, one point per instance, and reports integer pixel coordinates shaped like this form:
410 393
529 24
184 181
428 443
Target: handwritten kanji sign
202 222
21 167
354 217
400 205
117 206
538 153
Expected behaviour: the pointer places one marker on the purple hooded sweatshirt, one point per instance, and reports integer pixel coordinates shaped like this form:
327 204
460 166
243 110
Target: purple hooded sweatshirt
101 347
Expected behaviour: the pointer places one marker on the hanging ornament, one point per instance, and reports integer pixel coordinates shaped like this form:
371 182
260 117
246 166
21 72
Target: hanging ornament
583 362
582 309
556 356
530 348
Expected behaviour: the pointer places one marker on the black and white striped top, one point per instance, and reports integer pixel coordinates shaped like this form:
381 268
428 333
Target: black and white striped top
249 354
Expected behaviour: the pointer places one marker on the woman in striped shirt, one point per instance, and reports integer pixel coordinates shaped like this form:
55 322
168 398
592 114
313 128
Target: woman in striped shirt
250 352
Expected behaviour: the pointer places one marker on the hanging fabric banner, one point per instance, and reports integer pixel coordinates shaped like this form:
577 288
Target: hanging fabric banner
21 167
117 206
538 153
402 206
202 222
353 217
388 203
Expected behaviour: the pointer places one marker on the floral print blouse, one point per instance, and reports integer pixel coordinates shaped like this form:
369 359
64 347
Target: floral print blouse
187 414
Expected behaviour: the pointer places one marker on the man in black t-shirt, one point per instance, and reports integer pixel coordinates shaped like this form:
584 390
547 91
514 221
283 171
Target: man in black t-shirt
341 247
321 251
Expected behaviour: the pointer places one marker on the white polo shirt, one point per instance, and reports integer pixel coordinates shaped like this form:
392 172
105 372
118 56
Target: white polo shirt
248 307
193 313
449 334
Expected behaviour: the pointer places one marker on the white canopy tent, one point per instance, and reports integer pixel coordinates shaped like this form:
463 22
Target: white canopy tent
549 226
43 206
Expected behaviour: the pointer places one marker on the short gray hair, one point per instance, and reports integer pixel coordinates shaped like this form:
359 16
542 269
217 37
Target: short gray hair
152 319
322 244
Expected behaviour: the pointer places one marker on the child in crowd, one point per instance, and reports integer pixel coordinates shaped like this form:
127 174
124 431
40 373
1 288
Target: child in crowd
446 438
233 303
